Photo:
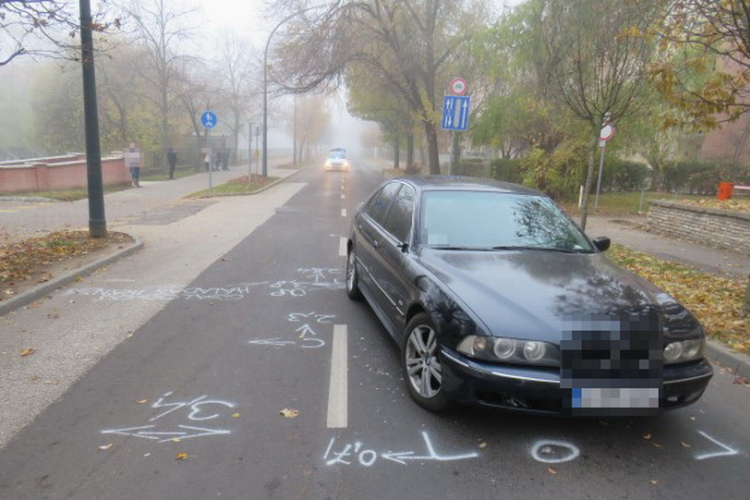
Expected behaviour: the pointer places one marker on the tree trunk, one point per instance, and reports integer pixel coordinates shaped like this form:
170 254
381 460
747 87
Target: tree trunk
432 147
410 152
396 154
589 178
746 305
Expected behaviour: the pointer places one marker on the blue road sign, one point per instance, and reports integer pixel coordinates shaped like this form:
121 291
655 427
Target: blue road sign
208 119
456 112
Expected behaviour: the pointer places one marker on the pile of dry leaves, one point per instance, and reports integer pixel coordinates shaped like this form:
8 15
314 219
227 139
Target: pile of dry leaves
33 260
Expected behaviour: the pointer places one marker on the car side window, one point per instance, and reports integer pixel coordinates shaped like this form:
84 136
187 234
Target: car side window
377 208
398 221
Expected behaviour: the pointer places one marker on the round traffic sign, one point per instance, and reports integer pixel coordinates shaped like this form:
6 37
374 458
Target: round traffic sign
608 130
208 119
458 86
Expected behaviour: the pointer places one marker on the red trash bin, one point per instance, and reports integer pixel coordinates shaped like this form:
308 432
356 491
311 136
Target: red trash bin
725 190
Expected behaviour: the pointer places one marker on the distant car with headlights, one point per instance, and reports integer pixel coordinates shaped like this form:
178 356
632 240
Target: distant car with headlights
337 160
497 298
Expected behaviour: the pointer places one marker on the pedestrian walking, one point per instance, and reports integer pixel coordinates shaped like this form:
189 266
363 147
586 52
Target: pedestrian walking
217 163
225 160
172 160
133 161
206 152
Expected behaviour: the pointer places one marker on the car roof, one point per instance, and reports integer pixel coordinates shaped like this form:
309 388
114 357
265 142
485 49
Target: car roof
461 183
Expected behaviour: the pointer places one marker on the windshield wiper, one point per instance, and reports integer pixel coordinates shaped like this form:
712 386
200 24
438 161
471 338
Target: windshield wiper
543 249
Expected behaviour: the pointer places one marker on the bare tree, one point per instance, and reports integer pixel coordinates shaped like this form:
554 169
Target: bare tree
236 83
597 62
46 28
160 28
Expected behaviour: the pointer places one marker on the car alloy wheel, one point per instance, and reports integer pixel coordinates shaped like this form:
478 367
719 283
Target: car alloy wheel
421 362
352 277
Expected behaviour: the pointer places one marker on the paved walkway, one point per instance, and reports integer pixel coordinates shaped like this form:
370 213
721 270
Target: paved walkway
22 218
631 232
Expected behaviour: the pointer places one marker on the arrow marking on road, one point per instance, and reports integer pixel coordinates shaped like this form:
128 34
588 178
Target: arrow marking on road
140 432
401 456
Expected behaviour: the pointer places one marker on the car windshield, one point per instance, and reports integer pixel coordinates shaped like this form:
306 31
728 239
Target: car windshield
497 221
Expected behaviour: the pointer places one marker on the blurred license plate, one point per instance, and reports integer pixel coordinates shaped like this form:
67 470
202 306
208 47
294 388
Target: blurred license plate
616 397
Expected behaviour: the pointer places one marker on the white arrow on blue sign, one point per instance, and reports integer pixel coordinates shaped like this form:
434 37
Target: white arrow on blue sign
208 119
456 112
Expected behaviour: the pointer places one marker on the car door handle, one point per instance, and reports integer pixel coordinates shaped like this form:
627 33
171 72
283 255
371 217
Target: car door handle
375 243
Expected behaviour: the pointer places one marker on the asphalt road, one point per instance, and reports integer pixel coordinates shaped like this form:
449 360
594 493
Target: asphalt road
260 379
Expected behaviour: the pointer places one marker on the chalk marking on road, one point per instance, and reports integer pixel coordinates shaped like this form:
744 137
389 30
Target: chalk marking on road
548 451
338 385
728 450
343 212
367 457
342 247
141 432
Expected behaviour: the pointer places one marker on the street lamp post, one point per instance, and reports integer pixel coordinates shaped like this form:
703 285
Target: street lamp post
265 83
97 221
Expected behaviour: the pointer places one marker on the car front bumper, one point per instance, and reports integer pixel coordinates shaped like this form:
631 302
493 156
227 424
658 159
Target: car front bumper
538 390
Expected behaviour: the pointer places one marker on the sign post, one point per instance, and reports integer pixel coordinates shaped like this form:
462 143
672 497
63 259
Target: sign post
606 133
209 120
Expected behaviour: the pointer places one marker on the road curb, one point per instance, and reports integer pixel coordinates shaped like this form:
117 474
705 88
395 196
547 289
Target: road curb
739 363
43 289
264 188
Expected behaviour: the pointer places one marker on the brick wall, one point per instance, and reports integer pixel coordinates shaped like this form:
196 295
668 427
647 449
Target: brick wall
722 228
50 174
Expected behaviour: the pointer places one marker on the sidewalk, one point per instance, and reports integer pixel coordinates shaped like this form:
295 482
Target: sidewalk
631 232
26 217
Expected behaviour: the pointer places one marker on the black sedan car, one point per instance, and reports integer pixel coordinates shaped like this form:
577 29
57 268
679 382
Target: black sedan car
497 298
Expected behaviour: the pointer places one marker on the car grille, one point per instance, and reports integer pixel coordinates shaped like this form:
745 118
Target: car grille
612 352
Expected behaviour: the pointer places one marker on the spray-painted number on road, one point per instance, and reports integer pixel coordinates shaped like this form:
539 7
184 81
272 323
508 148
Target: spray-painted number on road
198 409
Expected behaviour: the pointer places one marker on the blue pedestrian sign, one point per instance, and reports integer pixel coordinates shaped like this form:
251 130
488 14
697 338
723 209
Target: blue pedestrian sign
208 119
456 112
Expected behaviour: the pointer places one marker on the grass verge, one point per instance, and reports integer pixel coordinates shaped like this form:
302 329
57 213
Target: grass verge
240 185
73 194
31 261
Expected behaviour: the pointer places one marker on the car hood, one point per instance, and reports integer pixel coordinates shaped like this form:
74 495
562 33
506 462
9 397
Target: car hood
535 294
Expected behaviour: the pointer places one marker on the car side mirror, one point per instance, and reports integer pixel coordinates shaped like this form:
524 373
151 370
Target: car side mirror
602 243
404 247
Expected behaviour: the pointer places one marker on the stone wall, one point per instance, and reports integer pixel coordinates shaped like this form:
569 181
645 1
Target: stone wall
722 228
61 172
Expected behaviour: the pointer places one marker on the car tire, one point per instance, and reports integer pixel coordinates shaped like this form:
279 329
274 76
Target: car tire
352 276
420 358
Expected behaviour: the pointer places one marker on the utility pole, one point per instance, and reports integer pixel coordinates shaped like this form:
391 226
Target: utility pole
97 221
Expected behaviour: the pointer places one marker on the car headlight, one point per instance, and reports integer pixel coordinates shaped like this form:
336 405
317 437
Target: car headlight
680 351
507 350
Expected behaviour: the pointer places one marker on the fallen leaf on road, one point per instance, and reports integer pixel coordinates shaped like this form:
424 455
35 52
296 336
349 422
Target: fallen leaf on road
236 415
289 413
656 445
181 456
142 401
646 436
106 447
552 471
686 445
27 352
654 482
483 445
